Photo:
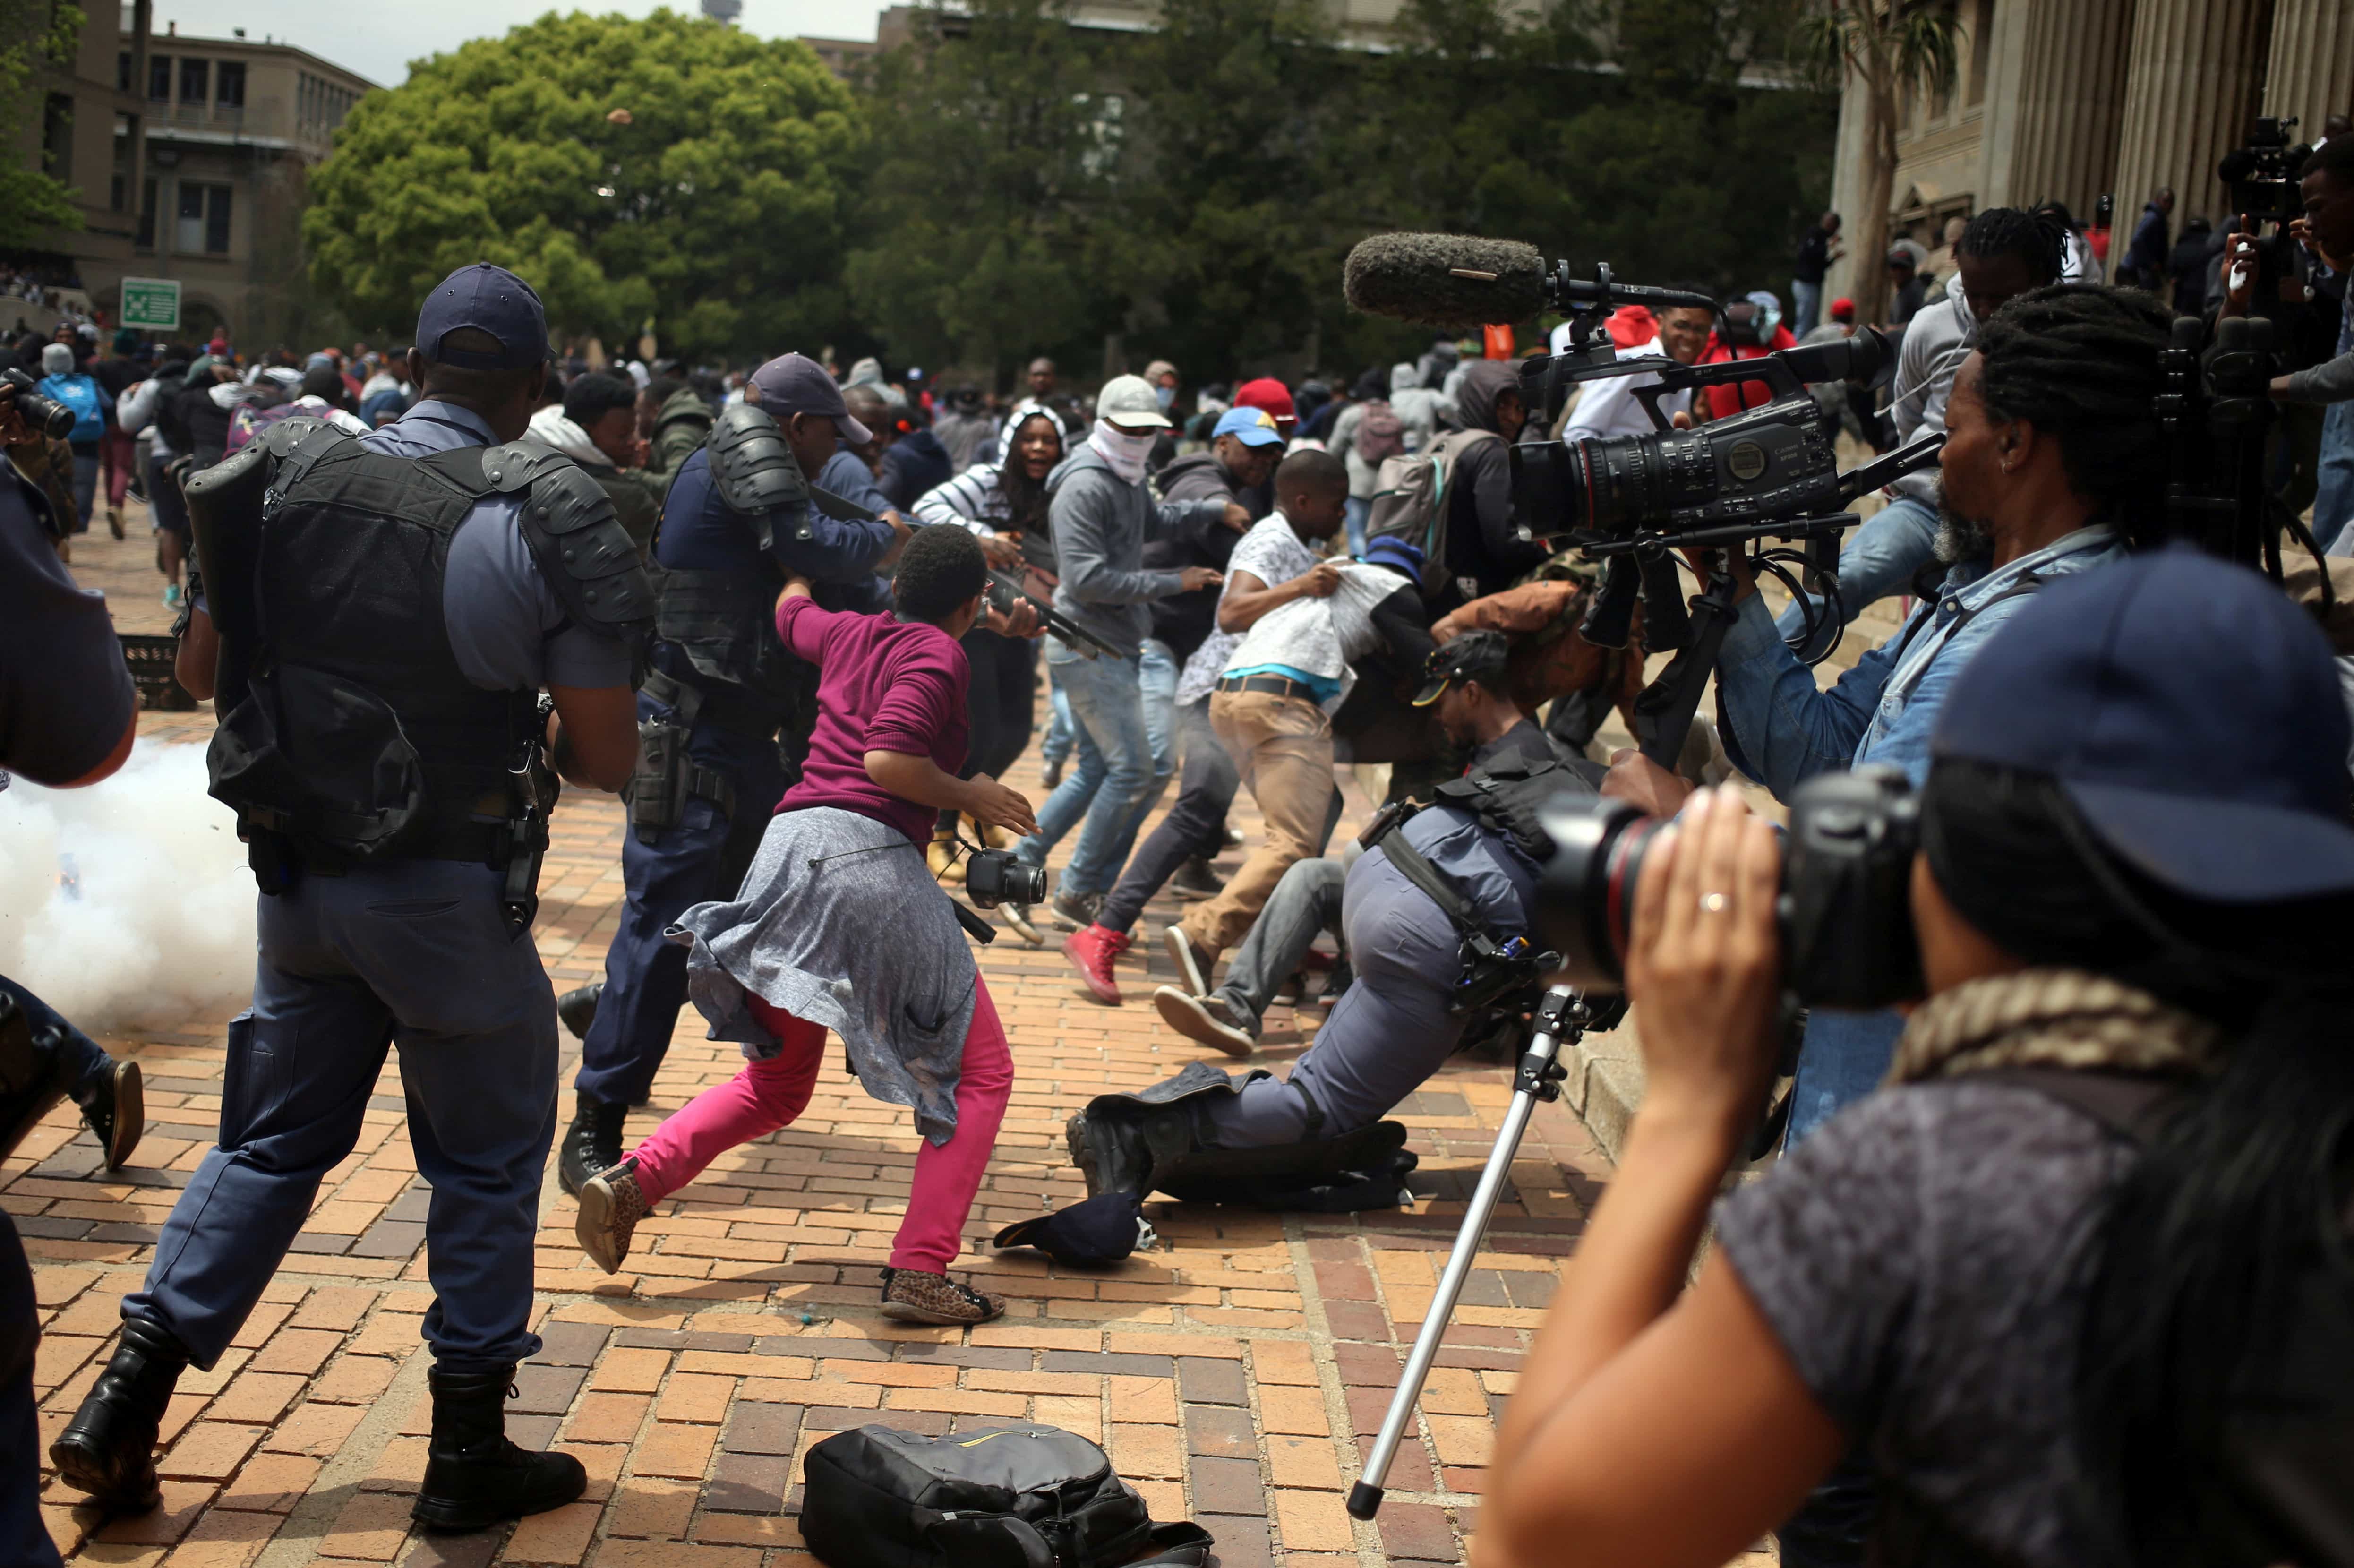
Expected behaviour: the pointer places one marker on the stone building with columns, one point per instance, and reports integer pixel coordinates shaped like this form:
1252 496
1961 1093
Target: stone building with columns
2069 99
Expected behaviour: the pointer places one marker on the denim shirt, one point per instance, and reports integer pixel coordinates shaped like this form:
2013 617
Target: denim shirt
1782 730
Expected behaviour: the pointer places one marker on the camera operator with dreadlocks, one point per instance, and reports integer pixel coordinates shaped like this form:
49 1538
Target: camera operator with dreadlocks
2002 254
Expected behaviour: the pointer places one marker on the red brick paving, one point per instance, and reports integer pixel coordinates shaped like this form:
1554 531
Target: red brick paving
1233 1376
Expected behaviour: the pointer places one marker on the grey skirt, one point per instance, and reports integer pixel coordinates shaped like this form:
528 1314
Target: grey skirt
840 923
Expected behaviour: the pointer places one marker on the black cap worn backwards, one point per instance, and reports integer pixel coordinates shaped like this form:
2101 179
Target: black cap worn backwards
1474 656
485 299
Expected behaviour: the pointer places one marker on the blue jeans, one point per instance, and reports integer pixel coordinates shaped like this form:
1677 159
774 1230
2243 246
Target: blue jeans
1879 559
2333 501
1806 307
1113 783
416 954
1355 516
1056 750
1156 681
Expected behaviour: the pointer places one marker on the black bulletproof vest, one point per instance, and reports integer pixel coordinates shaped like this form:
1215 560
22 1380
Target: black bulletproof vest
720 621
354 545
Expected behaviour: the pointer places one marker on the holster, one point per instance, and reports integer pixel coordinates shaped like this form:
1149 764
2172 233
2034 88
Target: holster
668 776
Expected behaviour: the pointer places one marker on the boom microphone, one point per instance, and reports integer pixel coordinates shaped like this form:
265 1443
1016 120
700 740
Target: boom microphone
1460 280
1444 280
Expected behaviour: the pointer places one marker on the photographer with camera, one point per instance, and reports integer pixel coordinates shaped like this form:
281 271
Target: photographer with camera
2052 464
839 925
2076 1282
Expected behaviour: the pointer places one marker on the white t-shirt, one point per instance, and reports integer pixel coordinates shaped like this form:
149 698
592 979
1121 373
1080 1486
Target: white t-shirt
1272 554
1609 409
1320 637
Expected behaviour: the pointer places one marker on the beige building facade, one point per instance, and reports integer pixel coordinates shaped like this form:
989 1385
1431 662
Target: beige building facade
190 155
2070 100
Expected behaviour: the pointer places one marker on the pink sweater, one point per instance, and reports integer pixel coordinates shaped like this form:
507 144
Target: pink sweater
882 685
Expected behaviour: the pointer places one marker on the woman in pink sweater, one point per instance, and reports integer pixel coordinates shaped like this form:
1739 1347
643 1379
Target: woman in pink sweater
839 927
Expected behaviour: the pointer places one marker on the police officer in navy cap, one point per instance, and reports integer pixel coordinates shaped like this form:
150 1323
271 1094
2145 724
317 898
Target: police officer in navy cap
726 711
382 643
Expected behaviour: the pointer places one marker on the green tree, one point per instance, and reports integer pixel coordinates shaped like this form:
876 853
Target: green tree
666 167
34 34
1892 49
994 148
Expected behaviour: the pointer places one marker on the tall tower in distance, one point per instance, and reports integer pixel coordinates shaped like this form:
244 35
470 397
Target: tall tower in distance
722 10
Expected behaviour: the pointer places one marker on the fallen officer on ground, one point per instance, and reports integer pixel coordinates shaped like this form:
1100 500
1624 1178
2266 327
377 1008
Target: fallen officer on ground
1435 916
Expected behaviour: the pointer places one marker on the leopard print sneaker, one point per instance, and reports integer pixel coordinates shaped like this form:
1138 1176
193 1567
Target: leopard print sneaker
914 1296
611 1204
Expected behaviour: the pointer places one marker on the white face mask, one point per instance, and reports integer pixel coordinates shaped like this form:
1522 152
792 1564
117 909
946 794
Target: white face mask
1124 452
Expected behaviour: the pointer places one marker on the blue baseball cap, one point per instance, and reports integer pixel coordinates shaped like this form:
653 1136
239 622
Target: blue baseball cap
1252 427
2191 714
795 384
1397 554
485 299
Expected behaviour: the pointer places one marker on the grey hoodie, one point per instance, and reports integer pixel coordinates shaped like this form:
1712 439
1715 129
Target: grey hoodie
1936 340
1101 523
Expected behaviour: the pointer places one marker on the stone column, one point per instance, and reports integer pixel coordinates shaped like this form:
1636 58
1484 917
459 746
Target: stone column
2070 103
2191 80
2311 72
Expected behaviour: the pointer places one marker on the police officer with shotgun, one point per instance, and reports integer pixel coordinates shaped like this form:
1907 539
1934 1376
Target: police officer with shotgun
725 714
388 609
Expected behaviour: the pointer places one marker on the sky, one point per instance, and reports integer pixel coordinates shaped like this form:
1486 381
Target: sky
378 41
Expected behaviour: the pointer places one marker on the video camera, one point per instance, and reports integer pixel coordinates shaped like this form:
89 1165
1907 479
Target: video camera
2262 174
1764 473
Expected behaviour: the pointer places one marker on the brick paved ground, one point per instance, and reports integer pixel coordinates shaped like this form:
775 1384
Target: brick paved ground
1235 1377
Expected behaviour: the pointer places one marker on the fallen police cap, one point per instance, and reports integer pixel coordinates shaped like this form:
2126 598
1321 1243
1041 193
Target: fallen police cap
2191 714
1474 656
485 299
1104 1229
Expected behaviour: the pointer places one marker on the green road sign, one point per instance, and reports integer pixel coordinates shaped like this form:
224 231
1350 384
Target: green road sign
152 303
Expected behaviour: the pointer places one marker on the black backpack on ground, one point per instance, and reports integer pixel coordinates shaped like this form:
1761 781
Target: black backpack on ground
1015 1496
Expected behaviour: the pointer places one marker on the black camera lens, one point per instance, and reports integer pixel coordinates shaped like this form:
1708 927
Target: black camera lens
45 416
1844 911
992 877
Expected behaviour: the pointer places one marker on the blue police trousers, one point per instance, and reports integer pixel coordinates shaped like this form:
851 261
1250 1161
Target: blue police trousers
24 1537
701 859
1390 1030
416 954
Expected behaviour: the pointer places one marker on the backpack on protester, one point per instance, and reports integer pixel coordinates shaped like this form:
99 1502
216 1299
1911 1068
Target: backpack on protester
1019 1495
1410 499
1380 434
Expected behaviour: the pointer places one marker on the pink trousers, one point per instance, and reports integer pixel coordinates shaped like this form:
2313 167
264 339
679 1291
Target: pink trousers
770 1094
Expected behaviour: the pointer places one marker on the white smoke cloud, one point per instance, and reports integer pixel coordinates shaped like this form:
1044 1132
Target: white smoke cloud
128 901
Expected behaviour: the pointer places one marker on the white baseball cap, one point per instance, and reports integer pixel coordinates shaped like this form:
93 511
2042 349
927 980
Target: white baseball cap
1129 401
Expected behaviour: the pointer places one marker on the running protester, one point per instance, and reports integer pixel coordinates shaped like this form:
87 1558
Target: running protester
836 928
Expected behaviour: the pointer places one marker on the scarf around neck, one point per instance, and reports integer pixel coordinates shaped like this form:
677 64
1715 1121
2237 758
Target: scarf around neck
2052 1018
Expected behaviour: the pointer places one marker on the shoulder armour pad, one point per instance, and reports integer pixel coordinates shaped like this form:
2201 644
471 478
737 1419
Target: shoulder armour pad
751 466
518 465
284 436
582 550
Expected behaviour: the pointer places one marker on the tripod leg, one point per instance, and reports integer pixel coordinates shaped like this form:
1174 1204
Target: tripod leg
1539 1078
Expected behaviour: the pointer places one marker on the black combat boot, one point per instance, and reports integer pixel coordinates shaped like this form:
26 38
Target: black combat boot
115 1107
108 1449
592 1143
473 1476
577 1007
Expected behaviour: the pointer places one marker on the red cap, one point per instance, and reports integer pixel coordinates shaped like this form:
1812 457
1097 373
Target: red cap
1842 309
1269 394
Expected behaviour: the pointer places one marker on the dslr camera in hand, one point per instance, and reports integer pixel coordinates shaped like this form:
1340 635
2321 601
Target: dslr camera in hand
1844 912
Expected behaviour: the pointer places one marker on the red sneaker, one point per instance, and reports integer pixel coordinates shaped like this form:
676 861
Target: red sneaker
1091 952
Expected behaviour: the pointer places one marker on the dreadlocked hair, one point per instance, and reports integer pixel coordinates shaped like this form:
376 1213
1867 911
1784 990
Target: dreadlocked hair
2039 238
2080 362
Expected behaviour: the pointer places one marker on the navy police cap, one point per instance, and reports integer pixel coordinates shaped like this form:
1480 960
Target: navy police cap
2193 715
485 299
1104 1229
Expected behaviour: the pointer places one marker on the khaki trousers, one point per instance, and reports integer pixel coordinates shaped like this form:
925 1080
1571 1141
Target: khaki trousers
1283 747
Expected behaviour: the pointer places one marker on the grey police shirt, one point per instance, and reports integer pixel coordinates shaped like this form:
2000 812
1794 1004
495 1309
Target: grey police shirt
509 630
